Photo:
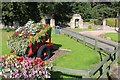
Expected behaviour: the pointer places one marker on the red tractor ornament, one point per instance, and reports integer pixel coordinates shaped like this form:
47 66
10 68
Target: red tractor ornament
33 39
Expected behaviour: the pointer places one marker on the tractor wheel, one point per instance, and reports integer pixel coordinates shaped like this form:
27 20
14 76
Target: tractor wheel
44 52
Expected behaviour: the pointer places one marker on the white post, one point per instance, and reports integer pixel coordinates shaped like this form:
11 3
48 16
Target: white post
104 23
80 23
52 23
72 23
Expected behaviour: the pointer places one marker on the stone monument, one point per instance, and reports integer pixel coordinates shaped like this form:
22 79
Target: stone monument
76 21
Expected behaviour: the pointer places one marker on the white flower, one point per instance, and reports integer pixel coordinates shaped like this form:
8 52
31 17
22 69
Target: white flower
0 73
47 76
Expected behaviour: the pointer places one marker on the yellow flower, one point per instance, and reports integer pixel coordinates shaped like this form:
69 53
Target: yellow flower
7 58
46 63
20 34
12 56
17 56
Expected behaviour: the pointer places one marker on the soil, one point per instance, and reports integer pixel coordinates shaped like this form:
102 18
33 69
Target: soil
56 54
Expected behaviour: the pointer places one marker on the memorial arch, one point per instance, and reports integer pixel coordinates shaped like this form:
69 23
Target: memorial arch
76 21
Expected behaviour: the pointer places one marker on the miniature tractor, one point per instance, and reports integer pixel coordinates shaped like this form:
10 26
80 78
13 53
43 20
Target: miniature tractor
32 40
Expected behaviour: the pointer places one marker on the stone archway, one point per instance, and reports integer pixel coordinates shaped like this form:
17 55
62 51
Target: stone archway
76 21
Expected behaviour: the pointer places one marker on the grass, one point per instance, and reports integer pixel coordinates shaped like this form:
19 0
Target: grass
114 36
76 59
85 29
80 57
4 48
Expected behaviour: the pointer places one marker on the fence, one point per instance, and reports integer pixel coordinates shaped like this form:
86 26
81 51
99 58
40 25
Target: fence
102 70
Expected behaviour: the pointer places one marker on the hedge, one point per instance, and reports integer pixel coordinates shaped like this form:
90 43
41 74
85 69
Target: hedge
112 22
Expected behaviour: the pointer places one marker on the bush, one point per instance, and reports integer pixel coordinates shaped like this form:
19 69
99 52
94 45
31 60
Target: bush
98 22
89 27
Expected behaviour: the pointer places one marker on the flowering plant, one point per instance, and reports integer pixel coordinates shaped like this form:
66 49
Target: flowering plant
19 67
30 33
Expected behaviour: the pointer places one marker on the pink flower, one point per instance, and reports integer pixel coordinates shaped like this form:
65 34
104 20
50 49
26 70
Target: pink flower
16 76
40 72
2 64
12 65
26 64
5 76
16 71
33 72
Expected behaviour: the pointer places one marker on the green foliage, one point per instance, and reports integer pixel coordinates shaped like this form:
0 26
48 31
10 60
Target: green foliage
60 11
113 22
98 22
89 27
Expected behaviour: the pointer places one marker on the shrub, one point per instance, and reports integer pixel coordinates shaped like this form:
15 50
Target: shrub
98 22
89 27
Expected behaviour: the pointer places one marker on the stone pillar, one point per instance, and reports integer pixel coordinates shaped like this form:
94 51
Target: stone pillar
52 23
104 23
43 21
72 23
80 23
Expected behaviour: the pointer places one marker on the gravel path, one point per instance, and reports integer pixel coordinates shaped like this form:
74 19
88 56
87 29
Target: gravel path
97 32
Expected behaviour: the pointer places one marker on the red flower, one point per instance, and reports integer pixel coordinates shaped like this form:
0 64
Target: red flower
44 25
38 61
30 35
30 45
42 64
15 33
12 50
20 59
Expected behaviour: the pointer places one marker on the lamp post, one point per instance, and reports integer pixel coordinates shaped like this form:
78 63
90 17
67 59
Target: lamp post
118 25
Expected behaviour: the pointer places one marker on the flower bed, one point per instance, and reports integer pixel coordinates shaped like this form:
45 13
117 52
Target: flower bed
19 67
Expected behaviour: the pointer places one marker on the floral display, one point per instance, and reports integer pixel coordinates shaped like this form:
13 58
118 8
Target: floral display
28 34
19 67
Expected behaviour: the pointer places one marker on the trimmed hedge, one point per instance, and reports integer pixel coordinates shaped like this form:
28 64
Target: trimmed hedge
112 22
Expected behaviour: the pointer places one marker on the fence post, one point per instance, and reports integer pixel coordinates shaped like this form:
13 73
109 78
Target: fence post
84 39
96 45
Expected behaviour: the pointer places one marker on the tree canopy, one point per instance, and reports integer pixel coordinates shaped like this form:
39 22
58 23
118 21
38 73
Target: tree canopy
61 11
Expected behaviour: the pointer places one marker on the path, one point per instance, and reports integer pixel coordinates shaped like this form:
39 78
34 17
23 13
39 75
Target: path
97 32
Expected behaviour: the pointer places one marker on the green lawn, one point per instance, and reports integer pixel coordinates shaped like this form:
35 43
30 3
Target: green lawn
4 35
80 57
113 36
85 29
